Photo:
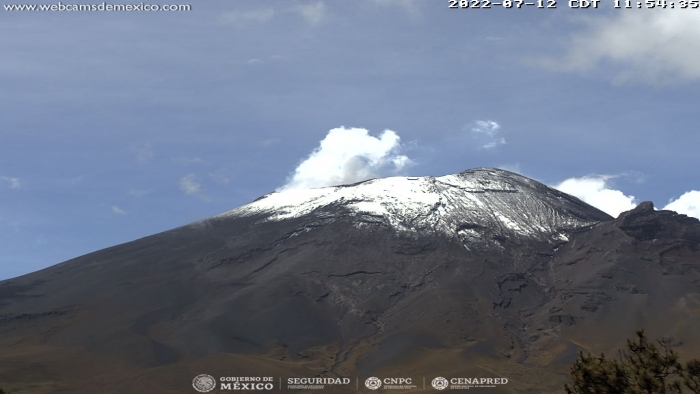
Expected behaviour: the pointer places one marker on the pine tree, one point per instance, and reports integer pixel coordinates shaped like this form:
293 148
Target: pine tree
642 368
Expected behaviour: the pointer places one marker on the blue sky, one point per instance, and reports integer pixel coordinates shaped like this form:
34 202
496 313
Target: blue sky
118 125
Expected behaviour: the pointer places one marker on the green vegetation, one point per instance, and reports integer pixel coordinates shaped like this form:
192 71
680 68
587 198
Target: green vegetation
642 368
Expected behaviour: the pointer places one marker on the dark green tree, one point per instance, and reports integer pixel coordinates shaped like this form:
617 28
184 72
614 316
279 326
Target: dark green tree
642 368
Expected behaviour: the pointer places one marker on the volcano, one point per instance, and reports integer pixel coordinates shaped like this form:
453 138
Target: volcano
481 274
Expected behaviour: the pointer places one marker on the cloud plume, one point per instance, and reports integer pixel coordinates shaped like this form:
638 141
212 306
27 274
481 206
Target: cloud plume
595 191
487 134
348 155
687 204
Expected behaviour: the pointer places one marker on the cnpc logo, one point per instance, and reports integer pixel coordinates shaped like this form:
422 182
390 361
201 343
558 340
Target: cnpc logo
375 383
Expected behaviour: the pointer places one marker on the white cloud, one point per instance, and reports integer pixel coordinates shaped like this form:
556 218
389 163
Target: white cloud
658 47
117 211
221 177
245 18
11 183
314 13
411 6
143 153
347 156
190 160
594 190
139 193
270 142
487 134
687 204
190 185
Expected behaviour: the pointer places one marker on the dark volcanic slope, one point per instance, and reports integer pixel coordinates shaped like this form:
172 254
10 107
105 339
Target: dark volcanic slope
483 273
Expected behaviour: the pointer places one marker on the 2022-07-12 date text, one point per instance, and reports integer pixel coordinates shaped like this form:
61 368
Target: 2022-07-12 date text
619 4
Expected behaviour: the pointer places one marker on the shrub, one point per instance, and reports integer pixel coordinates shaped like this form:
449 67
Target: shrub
642 368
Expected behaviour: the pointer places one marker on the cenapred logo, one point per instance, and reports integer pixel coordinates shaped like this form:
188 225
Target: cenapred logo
373 383
204 383
440 383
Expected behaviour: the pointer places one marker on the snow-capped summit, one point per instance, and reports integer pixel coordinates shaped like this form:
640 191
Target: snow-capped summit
457 205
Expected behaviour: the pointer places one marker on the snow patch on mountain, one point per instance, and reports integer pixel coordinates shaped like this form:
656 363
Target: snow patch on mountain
461 205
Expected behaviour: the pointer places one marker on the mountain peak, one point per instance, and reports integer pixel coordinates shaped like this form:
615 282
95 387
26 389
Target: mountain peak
459 205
